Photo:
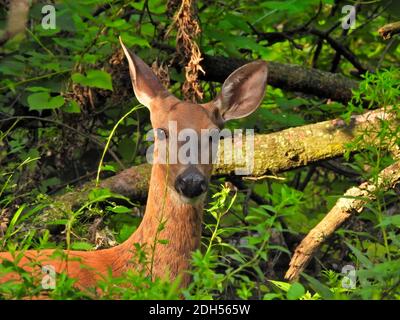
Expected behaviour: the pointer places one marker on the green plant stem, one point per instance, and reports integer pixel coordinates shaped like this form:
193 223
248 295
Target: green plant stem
214 234
248 263
39 42
37 78
109 140
160 223
94 139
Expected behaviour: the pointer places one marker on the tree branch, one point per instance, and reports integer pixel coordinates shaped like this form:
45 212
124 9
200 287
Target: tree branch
352 202
389 30
288 77
340 48
274 152
274 37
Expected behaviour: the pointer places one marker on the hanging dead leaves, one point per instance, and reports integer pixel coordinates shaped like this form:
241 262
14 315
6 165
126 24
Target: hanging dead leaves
188 30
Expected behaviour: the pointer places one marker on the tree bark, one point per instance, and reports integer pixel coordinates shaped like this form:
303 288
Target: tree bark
288 77
352 203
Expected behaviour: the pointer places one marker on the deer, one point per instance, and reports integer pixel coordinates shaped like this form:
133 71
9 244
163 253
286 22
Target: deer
177 191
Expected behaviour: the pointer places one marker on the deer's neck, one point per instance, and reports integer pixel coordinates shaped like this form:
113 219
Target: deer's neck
181 228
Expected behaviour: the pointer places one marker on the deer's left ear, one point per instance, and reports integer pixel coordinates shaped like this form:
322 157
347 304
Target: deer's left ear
242 92
145 83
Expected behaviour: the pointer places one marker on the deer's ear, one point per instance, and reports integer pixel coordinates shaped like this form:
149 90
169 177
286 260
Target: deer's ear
145 83
242 92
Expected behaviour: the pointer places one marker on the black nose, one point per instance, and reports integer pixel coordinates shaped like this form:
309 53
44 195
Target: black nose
191 183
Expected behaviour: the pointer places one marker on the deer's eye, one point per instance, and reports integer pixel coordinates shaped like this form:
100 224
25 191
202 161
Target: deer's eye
162 133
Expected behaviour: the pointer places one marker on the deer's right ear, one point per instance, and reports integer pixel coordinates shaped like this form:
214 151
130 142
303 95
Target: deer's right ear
145 83
242 92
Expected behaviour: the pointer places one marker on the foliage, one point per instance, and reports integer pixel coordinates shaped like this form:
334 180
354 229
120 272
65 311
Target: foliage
63 112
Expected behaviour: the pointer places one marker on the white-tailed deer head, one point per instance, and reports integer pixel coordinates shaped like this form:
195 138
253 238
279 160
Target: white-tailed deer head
240 95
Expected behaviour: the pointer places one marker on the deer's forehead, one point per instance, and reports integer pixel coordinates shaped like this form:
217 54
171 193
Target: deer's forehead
185 115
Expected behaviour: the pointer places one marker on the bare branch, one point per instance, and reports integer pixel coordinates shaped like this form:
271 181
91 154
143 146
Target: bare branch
352 203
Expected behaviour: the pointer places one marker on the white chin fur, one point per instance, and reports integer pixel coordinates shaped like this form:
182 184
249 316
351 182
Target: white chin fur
192 201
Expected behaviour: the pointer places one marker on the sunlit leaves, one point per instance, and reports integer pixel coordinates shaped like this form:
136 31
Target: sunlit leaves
94 78
43 100
131 40
72 107
80 245
292 6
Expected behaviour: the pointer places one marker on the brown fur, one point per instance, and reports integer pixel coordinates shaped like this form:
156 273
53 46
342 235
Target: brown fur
182 229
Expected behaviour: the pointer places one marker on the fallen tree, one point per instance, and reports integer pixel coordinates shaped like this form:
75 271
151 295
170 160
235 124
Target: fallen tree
288 77
274 152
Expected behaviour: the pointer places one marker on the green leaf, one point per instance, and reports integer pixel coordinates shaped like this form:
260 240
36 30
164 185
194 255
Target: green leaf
281 285
43 101
81 246
390 220
100 79
125 232
131 41
94 78
79 78
37 89
296 291
284 118
56 102
38 101
91 58
99 194
14 220
108 167
119 209
10 67
72 107
117 23
319 287
362 258
271 296
291 7
59 222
